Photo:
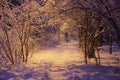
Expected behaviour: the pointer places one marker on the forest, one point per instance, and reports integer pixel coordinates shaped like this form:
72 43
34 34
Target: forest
59 39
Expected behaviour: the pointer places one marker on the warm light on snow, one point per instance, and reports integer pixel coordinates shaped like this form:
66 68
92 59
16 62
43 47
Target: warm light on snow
61 55
59 39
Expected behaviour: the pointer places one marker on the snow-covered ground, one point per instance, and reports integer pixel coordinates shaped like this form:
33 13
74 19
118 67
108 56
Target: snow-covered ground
59 55
65 62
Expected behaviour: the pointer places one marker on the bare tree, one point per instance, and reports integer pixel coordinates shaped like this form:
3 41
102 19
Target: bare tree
15 32
96 13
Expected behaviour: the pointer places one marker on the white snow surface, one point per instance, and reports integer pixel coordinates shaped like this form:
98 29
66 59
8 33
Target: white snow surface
65 62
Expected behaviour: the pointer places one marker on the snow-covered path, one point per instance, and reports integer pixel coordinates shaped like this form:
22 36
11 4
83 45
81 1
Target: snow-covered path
62 54
65 62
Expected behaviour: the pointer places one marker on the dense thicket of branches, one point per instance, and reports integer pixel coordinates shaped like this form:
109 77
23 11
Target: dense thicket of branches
15 28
